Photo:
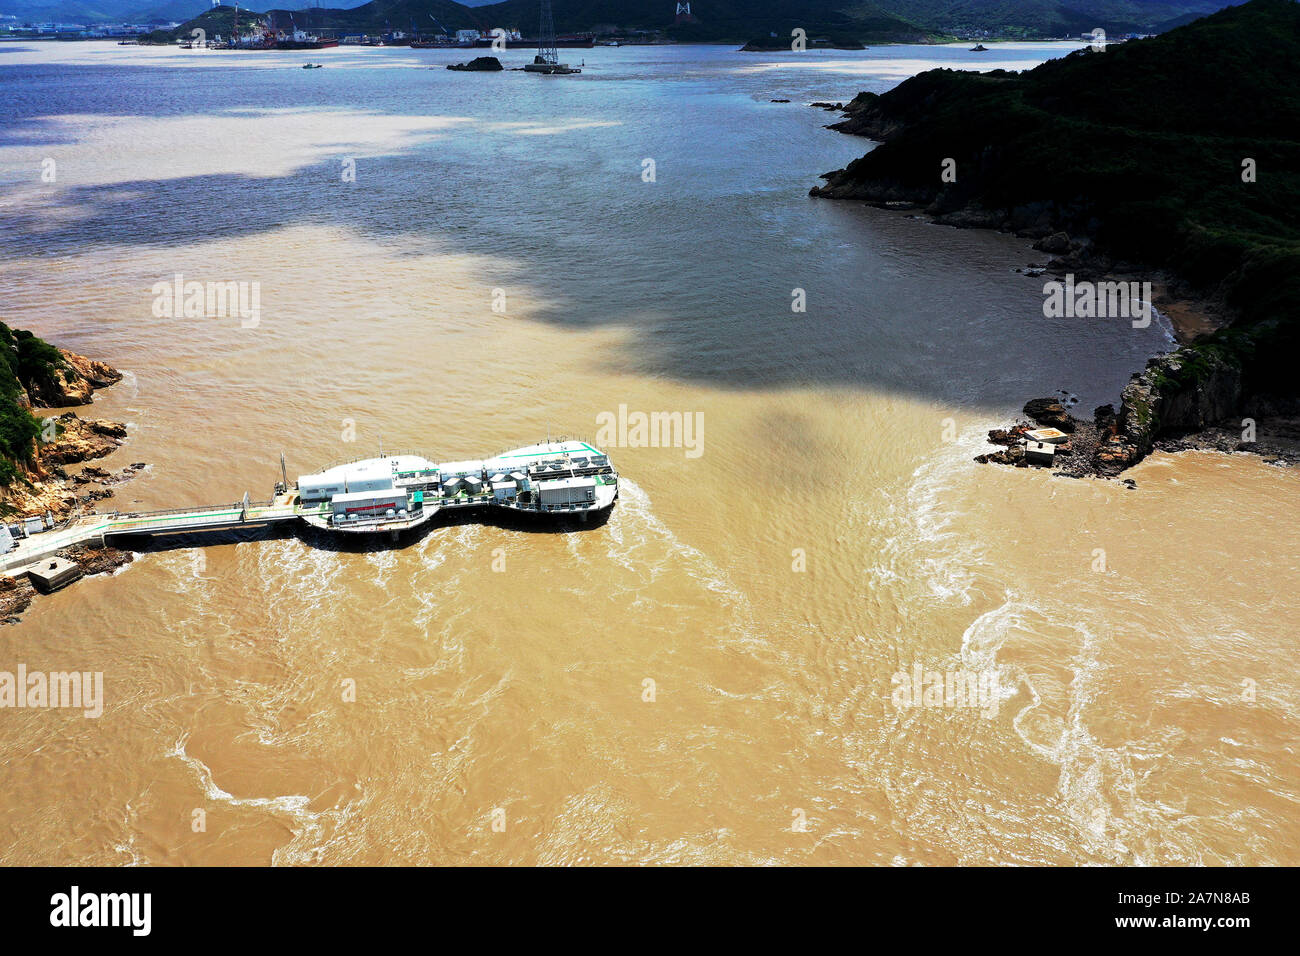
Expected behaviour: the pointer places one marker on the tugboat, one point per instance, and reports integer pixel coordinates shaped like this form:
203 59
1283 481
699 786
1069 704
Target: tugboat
547 61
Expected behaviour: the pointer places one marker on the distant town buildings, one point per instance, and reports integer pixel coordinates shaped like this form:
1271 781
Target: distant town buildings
13 26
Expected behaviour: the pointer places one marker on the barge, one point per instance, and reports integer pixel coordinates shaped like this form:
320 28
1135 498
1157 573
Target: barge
395 492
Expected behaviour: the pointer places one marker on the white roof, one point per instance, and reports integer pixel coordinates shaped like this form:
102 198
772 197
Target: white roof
506 463
461 468
567 483
369 468
355 496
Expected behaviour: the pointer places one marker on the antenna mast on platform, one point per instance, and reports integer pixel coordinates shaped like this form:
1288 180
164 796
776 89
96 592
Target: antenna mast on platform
546 48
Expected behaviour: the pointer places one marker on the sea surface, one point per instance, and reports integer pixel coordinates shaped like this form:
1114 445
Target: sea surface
458 263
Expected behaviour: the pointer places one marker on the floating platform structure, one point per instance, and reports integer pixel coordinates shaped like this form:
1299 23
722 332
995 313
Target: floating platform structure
391 493
402 491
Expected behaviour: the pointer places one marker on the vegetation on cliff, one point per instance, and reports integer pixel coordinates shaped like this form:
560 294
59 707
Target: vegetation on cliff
1181 152
218 21
34 373
1048 18
27 364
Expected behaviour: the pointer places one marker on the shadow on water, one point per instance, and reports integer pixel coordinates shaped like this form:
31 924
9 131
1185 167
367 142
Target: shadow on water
700 267
348 543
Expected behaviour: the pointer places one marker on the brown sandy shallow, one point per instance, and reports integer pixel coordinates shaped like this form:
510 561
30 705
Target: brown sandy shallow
1191 318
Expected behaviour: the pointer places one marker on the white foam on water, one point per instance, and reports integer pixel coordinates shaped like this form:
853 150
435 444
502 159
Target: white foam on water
1097 785
128 847
384 561
921 543
189 615
443 554
642 543
308 827
293 571
295 804
123 568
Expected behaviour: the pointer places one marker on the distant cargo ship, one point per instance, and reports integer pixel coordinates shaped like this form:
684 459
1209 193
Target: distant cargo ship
304 42
561 43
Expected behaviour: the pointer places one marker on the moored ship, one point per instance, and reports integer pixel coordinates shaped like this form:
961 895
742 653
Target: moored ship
395 492
560 43
298 40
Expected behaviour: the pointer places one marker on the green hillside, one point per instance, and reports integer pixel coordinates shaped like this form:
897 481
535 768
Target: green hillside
1046 18
1140 148
715 20
26 362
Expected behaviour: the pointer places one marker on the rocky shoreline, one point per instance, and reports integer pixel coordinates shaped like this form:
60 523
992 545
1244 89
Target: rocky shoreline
51 483
1102 448
17 593
1192 397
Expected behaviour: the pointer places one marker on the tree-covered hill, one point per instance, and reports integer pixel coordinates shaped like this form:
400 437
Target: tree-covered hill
1145 148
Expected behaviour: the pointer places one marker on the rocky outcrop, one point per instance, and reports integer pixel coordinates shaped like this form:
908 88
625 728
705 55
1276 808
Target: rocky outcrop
1049 413
75 384
864 116
1190 398
16 595
480 64
54 489
41 483
79 440
93 373
1187 390
94 560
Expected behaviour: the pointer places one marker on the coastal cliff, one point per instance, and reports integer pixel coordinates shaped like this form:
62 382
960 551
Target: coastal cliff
1174 159
33 450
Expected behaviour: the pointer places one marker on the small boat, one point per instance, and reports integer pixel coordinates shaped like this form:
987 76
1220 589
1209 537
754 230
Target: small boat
979 48
312 66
